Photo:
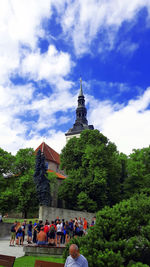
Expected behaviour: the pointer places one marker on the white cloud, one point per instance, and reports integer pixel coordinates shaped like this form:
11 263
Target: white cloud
50 65
17 101
54 139
127 48
20 28
128 127
20 24
82 20
14 102
48 107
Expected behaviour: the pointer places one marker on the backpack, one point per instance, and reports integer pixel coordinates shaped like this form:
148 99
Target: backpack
52 229
13 228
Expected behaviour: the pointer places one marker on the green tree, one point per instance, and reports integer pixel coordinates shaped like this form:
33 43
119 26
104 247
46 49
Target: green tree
124 173
6 168
41 180
93 168
121 235
25 191
6 162
138 169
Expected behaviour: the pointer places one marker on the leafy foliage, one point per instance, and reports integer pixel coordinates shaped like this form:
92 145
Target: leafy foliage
93 167
24 187
138 169
6 162
121 235
18 190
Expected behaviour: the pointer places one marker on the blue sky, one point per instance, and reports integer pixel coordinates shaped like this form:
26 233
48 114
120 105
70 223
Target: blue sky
46 45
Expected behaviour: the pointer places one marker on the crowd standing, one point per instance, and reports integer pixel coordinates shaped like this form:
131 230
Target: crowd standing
55 233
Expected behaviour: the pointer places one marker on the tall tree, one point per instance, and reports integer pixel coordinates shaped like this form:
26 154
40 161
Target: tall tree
18 190
25 191
93 168
41 180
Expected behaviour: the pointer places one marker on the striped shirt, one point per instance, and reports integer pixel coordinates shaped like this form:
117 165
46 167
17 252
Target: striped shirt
78 262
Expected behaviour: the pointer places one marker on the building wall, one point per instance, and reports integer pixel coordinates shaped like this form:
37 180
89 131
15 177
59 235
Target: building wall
54 194
68 137
52 166
51 213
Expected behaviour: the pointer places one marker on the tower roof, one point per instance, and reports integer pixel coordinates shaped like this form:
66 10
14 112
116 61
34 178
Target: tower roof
49 153
81 122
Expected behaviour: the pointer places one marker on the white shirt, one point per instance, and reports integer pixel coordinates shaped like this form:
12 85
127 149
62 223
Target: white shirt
81 261
59 227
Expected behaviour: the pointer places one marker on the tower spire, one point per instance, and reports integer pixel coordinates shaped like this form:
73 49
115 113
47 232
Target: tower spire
81 122
81 91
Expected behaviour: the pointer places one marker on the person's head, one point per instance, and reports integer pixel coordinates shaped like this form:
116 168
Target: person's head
74 251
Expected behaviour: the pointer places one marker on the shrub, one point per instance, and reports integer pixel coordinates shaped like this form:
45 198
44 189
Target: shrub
121 235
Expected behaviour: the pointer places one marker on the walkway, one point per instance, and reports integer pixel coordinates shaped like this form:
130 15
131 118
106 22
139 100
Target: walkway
5 249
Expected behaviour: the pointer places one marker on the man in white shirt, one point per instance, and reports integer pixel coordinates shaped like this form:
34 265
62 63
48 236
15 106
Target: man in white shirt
75 259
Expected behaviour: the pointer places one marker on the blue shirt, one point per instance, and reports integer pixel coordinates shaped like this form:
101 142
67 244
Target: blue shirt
78 262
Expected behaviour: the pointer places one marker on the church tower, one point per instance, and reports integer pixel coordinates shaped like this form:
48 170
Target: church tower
81 122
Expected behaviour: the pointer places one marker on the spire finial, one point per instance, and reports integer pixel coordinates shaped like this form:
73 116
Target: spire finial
81 92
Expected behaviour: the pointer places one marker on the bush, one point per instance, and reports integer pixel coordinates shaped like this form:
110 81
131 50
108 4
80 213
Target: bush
121 235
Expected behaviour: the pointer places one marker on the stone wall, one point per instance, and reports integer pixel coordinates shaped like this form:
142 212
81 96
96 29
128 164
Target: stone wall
5 229
51 213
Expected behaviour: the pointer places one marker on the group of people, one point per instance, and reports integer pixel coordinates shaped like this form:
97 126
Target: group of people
55 233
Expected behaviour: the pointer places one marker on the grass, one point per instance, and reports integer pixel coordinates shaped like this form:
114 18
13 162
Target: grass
29 261
12 220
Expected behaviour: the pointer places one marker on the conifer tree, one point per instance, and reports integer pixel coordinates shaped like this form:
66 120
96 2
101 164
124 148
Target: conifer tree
41 180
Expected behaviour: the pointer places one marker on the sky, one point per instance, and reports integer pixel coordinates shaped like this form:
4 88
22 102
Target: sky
47 45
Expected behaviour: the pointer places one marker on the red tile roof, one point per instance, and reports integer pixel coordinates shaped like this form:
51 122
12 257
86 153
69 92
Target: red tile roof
49 153
58 174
